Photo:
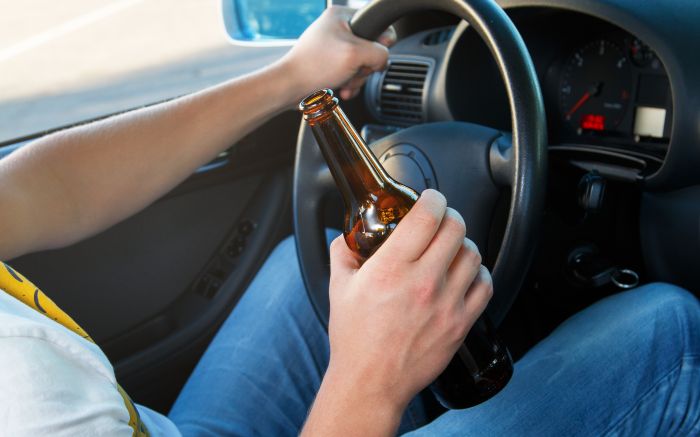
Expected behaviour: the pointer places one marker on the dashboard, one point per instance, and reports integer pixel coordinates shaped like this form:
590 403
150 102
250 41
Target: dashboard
620 82
604 75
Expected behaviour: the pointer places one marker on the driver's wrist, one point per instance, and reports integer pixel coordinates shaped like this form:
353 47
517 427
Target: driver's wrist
350 407
368 388
298 86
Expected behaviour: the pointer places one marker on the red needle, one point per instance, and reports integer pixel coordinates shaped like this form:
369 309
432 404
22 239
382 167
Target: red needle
578 104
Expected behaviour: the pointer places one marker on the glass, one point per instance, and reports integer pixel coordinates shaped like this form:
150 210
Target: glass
64 62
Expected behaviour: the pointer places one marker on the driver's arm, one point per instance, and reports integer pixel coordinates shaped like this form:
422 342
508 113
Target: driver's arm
72 184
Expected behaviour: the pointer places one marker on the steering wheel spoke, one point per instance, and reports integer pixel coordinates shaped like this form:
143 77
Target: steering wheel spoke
501 160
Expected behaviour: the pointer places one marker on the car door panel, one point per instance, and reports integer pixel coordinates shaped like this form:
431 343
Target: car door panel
137 287
129 273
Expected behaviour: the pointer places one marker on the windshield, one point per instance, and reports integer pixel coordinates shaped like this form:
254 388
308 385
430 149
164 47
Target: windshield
64 62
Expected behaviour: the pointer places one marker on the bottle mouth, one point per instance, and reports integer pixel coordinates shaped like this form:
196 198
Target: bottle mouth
318 103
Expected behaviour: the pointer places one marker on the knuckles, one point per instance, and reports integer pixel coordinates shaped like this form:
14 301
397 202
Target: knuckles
471 253
426 290
461 326
487 282
426 219
473 257
348 55
454 223
489 291
454 323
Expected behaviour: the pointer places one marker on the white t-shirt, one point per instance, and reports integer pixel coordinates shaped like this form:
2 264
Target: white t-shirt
55 383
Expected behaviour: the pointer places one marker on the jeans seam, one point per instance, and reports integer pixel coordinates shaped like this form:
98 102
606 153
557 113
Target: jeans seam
646 394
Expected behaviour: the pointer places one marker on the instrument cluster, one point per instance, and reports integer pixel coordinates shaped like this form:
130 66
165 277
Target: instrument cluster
611 88
602 85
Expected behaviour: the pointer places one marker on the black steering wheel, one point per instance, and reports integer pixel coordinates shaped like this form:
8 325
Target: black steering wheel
468 163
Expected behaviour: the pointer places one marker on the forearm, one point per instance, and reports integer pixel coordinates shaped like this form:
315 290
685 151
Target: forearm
75 183
80 181
351 408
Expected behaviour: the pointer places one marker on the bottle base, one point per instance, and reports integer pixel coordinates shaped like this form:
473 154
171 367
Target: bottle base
473 390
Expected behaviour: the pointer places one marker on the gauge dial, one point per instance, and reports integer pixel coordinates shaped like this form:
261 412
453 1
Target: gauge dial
640 53
594 87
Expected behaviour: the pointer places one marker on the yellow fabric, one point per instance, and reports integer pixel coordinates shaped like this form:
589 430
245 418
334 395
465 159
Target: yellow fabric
20 288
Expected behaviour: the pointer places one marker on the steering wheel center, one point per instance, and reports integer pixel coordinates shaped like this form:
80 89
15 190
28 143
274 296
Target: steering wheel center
408 164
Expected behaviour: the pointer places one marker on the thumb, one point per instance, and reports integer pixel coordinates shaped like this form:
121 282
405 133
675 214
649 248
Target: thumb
344 262
388 38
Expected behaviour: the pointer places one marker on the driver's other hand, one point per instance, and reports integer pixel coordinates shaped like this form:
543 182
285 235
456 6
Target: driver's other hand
397 320
329 55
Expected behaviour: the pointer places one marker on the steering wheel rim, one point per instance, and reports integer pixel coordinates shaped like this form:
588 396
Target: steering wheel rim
525 170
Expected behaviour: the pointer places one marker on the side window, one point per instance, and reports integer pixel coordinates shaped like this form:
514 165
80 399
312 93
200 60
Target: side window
64 62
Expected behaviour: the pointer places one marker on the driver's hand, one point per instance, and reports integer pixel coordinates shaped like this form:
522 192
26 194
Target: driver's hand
397 320
329 55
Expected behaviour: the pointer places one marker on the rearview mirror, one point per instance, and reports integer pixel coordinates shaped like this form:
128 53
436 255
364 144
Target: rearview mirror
269 22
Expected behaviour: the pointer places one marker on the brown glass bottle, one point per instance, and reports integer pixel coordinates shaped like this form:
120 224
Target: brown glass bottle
374 204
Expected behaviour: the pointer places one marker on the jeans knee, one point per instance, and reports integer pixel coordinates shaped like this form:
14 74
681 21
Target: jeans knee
285 249
676 306
671 297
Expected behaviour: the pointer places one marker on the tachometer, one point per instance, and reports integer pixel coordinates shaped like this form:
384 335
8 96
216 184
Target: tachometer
594 87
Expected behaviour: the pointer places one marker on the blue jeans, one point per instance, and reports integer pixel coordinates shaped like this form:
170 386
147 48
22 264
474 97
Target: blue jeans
628 365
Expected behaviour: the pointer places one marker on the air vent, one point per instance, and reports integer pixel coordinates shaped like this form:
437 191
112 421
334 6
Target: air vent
438 37
400 96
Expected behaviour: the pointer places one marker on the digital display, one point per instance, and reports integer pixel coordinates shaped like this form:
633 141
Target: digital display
593 122
649 122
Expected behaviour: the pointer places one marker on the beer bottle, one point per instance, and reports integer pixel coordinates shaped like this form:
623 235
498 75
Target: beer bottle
374 205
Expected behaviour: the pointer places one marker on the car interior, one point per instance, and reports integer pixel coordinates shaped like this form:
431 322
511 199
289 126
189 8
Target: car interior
619 83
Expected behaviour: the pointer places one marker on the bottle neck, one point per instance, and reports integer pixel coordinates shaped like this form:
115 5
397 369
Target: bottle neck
353 165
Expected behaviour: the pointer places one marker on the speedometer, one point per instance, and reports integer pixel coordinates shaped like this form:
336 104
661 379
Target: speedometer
594 87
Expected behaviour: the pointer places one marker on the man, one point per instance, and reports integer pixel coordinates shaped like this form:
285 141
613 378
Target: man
628 365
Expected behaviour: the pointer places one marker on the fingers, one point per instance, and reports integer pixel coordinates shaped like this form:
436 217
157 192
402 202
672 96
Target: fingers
349 93
345 13
388 38
464 269
343 260
350 89
448 241
351 59
417 229
373 54
479 294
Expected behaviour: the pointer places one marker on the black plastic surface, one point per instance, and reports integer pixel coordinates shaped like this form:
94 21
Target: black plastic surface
670 236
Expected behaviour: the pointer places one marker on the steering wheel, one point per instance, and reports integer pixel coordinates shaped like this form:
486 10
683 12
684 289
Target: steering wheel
468 163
